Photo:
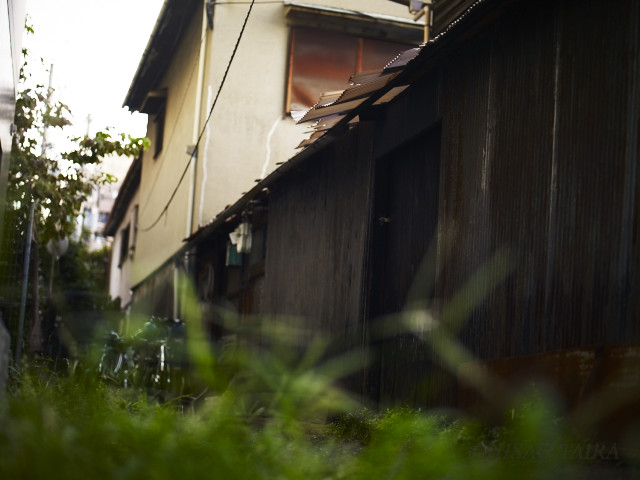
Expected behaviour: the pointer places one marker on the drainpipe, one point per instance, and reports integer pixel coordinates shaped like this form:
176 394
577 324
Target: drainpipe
420 9
25 283
177 296
196 120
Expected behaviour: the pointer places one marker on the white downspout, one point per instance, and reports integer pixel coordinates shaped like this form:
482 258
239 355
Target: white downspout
177 300
196 121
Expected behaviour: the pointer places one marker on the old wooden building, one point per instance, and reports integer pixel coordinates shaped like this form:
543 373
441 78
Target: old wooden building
487 180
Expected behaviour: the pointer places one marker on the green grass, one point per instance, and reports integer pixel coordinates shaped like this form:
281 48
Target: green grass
72 426
272 411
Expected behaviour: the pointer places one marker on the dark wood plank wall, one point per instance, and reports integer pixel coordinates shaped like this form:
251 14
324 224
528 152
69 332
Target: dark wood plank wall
155 296
521 136
316 241
539 123
596 220
497 117
405 221
539 119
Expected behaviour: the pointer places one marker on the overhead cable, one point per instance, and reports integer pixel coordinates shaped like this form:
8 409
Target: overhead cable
195 150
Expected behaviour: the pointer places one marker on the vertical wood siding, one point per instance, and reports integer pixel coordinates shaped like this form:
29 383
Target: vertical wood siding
316 239
538 121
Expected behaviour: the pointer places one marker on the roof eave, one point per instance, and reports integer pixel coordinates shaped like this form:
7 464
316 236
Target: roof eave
127 190
166 34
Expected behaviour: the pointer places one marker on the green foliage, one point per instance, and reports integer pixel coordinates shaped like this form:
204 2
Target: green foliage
79 269
55 184
354 427
262 414
60 183
72 426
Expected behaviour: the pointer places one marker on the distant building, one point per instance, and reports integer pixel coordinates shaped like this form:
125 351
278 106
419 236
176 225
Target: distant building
121 227
12 17
96 209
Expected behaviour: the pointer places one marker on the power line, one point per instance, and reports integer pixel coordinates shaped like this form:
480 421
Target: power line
173 130
195 150
247 3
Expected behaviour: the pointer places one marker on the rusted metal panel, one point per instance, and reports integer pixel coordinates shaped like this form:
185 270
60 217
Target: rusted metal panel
607 375
156 295
405 220
334 109
362 86
535 158
366 89
516 178
317 235
539 156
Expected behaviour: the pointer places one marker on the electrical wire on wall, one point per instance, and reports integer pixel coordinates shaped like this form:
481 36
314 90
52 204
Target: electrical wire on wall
195 150
173 130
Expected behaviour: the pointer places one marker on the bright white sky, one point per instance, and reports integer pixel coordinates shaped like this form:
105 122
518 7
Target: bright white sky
95 47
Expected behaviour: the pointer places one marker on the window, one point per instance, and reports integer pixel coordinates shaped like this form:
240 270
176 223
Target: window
154 105
158 122
124 245
134 236
86 213
321 61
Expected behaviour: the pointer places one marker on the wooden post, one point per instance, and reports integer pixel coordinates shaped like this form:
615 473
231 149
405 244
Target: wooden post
426 12
427 22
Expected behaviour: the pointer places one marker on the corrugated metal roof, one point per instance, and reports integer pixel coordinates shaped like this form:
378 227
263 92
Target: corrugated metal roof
365 89
403 59
171 23
127 190
378 86
327 120
325 111
363 86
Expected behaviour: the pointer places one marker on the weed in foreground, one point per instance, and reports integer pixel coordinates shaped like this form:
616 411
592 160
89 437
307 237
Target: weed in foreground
68 426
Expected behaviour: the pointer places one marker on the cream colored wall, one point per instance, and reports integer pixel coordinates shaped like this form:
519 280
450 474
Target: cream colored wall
384 7
120 278
249 132
160 176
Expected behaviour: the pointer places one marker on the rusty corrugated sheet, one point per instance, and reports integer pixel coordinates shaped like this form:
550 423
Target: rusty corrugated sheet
538 123
539 155
363 85
385 91
316 242
365 89
333 109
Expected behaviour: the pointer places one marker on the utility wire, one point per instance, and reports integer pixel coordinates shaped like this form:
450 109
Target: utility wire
195 150
247 3
173 130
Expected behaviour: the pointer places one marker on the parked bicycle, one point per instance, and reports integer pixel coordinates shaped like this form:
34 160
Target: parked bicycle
154 358
112 360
